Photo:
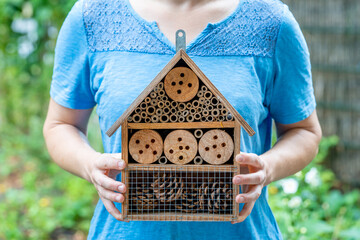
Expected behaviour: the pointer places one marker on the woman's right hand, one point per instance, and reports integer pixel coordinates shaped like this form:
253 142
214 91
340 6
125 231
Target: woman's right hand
102 173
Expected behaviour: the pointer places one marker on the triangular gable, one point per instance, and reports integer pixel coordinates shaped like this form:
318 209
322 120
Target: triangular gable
180 55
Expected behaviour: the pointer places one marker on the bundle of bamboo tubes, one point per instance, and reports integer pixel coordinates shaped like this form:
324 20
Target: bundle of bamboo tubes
158 107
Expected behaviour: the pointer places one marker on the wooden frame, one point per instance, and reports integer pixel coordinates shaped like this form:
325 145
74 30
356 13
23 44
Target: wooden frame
128 127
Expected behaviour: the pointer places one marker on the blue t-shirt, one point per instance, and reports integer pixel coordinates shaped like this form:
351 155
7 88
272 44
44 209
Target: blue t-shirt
257 57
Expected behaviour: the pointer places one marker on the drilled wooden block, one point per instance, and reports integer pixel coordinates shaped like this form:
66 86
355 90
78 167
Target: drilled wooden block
146 146
180 147
216 147
181 84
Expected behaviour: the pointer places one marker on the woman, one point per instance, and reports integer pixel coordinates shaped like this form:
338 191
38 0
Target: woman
252 50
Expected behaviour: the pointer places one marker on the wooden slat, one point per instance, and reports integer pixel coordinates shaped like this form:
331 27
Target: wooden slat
182 125
189 168
237 134
144 93
125 157
182 217
212 88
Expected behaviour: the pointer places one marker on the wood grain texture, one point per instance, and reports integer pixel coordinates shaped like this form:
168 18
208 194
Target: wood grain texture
236 189
184 125
146 146
181 84
216 147
180 147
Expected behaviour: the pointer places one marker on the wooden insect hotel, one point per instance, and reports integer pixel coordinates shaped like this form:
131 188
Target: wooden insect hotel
179 140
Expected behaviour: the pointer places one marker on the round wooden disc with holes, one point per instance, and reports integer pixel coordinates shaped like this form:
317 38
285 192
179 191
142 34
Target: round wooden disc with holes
216 147
181 84
180 147
146 146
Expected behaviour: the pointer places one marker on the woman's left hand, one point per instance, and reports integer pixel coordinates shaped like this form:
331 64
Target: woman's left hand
256 179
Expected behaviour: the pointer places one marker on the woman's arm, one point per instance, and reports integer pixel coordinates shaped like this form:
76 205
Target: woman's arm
65 136
297 145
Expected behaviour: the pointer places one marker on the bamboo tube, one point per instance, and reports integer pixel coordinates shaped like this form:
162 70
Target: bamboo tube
159 98
200 94
199 110
205 112
147 120
159 112
166 110
202 100
161 104
208 95
137 118
167 103
173 104
209 118
214 101
198 133
173 110
143 105
195 104
181 119
197 116
153 94
150 110
192 110
173 118
129 118
188 105
155 118
215 112
161 93
224 112
204 88
190 118
209 108
153 102
147 100
164 118
203 119
220 106
163 160
185 113
181 106
160 86
198 160
143 115
137 110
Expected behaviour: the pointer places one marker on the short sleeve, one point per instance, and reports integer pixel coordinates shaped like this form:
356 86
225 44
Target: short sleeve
70 86
292 97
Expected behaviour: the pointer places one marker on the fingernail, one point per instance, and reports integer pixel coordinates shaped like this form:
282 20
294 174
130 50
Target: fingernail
239 158
240 199
237 180
118 198
121 164
121 188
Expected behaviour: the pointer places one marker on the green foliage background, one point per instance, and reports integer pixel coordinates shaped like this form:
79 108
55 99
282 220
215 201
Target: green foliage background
38 200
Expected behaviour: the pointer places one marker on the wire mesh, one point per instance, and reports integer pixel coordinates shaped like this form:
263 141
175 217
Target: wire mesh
176 193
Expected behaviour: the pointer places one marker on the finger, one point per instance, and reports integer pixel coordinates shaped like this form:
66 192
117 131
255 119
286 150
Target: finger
251 178
108 162
109 183
245 212
110 207
250 159
110 195
251 196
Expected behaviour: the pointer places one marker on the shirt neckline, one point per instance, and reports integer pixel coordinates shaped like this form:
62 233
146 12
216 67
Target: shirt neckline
161 36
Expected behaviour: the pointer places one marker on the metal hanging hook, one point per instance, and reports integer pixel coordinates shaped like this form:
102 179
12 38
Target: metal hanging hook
180 37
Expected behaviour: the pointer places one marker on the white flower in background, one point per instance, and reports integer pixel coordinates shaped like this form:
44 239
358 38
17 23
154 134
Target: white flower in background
28 27
313 177
289 185
295 202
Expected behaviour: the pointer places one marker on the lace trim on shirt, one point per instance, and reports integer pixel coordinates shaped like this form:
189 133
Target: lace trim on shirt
253 30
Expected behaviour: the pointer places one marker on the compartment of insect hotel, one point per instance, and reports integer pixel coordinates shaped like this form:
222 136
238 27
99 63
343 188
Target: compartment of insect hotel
179 140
